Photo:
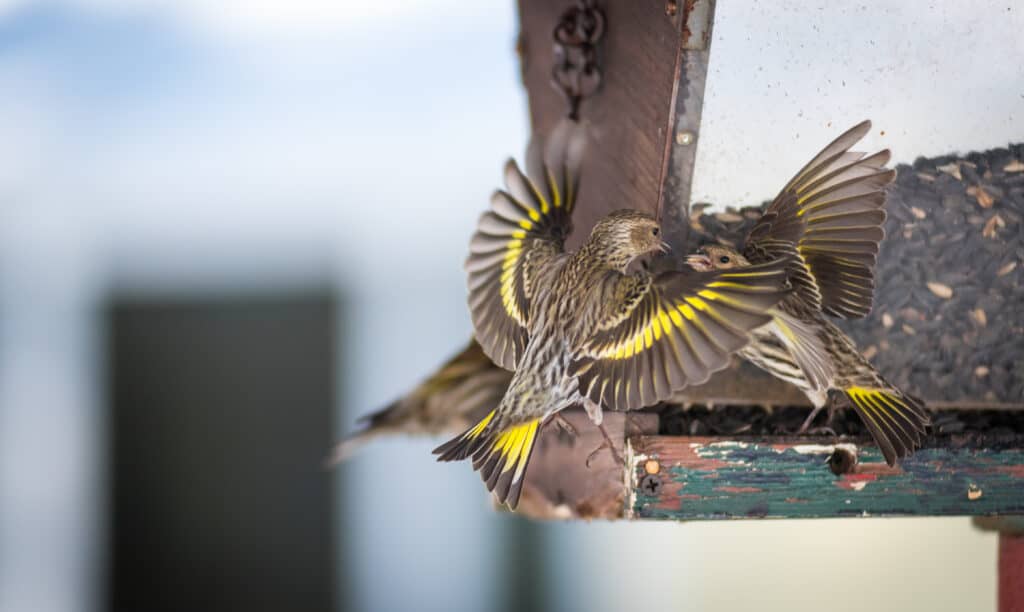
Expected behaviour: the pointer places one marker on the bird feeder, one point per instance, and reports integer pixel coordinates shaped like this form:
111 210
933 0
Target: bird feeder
947 323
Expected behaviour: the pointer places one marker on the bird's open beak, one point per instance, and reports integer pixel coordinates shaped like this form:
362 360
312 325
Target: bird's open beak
699 262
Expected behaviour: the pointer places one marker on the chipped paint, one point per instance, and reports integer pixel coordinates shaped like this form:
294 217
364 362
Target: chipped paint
816 449
855 482
631 477
852 485
707 478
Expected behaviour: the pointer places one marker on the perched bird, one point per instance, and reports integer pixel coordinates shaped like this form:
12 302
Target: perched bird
459 394
577 327
827 222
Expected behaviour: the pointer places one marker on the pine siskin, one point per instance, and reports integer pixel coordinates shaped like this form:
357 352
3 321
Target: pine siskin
576 327
828 222
459 394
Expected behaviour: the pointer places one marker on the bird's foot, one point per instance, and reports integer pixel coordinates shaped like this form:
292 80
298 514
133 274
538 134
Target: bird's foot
607 444
834 402
566 431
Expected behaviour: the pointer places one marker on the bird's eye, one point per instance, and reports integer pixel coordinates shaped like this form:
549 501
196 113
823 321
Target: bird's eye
724 259
654 231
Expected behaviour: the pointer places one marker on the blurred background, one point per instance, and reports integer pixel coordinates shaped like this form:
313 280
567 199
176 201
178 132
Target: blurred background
229 229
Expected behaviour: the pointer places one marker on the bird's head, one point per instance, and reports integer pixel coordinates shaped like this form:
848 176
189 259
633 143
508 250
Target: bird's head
716 257
625 235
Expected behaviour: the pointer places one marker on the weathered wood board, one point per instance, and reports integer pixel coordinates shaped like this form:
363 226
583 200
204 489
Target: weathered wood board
684 478
571 476
631 117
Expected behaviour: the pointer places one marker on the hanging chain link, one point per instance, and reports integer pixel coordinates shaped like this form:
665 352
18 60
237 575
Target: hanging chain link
576 72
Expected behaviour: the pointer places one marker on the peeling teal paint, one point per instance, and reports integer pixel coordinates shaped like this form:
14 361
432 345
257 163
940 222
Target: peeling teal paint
725 480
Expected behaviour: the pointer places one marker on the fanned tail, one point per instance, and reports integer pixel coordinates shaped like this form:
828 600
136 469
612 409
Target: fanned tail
501 456
896 421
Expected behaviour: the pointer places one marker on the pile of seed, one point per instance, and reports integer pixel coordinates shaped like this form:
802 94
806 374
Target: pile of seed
731 421
948 320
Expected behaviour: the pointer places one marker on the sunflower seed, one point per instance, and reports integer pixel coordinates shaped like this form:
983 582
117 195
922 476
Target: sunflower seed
943 291
979 317
989 231
952 169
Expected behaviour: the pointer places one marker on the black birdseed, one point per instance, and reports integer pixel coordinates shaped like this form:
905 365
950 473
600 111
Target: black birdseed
733 421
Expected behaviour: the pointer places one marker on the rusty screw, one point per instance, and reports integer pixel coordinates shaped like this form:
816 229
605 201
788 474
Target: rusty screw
842 461
650 484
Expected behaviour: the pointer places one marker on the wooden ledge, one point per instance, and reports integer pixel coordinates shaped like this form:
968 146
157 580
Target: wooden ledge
977 470
684 478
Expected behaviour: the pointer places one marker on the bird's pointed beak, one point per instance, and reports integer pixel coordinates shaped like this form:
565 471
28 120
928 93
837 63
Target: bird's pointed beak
699 262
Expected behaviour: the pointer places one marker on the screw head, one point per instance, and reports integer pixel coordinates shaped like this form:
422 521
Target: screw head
685 138
650 484
842 461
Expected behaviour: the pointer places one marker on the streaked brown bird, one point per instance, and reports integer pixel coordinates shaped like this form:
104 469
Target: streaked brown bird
460 393
578 327
827 222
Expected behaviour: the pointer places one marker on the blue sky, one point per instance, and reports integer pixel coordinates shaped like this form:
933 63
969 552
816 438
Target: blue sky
170 124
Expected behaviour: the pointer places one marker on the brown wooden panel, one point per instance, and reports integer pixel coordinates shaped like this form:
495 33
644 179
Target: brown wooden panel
560 484
629 115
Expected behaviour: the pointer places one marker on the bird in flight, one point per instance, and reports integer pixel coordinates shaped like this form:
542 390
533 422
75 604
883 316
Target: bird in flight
827 223
582 327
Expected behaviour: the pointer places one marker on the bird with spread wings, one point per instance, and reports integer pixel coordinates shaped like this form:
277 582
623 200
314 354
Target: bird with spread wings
827 222
580 327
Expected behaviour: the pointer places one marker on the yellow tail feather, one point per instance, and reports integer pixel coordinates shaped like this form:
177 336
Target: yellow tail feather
500 457
502 461
896 422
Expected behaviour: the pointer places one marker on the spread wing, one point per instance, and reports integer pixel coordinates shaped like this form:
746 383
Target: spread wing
520 241
659 334
829 219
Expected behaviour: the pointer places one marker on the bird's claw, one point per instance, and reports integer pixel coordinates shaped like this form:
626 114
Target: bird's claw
606 444
566 430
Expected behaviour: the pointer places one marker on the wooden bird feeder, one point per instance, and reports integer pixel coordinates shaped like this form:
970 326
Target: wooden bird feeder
953 335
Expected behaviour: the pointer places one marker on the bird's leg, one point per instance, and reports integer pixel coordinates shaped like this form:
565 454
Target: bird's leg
594 412
566 430
832 403
810 419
